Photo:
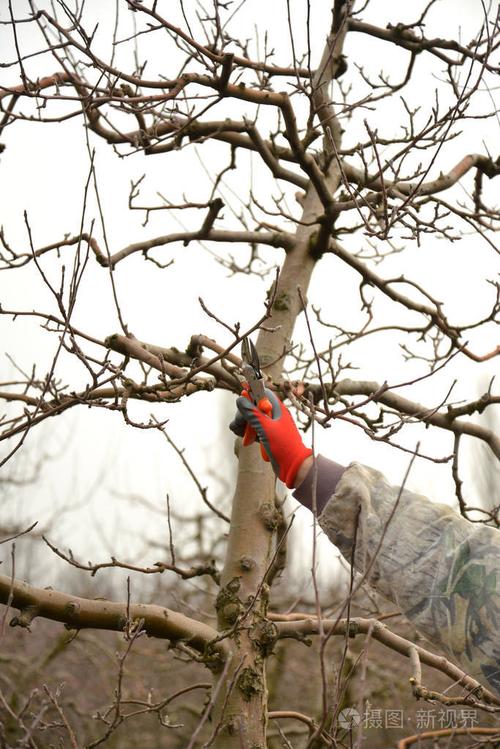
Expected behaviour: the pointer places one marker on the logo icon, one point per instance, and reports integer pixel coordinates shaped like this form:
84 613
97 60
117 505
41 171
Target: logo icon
349 718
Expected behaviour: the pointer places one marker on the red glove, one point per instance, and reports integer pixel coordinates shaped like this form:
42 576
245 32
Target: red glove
277 433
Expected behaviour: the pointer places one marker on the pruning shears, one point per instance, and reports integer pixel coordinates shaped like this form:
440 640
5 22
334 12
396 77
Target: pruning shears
254 389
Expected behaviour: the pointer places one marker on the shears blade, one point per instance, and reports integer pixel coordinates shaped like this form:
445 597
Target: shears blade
250 355
256 390
251 370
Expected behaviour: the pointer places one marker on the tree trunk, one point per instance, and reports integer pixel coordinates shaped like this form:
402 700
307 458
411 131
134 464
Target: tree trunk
240 711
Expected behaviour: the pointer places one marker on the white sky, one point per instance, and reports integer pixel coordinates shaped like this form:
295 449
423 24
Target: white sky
94 454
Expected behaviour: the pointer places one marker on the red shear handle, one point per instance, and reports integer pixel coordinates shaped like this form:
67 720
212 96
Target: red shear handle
250 435
266 407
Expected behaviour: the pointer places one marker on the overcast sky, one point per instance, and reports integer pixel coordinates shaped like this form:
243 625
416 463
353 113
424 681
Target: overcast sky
91 454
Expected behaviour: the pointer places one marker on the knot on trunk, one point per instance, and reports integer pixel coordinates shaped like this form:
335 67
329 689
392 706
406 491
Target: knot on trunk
227 604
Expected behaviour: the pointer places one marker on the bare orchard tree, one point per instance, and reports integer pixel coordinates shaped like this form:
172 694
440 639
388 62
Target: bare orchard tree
352 172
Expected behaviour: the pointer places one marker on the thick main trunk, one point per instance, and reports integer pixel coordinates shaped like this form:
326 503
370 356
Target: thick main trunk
240 709
242 705
241 714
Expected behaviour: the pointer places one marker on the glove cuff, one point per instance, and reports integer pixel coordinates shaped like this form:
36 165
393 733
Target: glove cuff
292 468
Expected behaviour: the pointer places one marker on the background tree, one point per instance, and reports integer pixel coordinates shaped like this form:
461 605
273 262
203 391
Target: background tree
355 170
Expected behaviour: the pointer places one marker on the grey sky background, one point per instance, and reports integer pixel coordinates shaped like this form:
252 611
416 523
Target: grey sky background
89 457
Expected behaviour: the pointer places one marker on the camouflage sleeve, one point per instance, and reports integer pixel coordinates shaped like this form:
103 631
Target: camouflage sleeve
439 569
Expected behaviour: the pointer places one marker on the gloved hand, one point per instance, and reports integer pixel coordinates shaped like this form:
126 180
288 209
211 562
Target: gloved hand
277 433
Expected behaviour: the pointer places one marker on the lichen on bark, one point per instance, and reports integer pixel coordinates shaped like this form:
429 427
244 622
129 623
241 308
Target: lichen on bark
250 683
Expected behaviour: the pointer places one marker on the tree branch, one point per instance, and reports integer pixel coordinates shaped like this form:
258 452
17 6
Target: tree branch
205 233
408 39
444 420
379 631
484 165
435 313
84 613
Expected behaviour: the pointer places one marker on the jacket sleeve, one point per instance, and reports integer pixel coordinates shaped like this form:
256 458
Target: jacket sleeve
439 569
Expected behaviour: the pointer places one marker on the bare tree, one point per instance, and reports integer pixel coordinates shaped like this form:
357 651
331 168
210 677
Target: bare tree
346 186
